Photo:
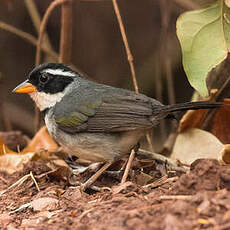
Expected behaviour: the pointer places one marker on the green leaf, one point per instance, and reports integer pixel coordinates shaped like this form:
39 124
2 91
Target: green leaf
204 36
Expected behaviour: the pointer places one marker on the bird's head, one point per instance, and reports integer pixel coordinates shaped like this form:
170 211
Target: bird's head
47 83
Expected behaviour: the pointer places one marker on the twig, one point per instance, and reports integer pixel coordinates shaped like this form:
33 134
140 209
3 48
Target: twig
148 137
48 12
158 157
130 60
165 8
35 182
3 179
126 44
36 19
157 183
66 33
27 37
17 183
85 213
100 189
37 22
24 206
128 166
161 181
176 197
158 89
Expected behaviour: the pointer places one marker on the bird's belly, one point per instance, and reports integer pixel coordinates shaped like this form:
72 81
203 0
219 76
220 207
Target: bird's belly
95 147
92 147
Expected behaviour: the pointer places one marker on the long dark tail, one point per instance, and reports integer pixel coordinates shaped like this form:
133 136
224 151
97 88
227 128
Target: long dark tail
167 109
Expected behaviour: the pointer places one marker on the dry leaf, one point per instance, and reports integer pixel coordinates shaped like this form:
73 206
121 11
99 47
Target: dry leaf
220 123
194 144
143 178
11 163
41 141
227 2
225 154
192 119
4 149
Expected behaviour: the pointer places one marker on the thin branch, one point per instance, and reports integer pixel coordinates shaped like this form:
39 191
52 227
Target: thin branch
165 8
158 157
22 207
34 180
161 181
17 183
36 19
176 197
133 73
126 44
66 33
27 37
44 22
45 19
128 166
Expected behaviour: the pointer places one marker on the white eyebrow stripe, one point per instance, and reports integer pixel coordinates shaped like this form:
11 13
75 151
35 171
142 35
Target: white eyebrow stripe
59 72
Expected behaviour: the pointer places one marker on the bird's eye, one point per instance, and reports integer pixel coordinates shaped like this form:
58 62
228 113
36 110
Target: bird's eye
43 78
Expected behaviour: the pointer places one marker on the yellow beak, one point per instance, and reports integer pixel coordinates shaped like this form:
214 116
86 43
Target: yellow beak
24 87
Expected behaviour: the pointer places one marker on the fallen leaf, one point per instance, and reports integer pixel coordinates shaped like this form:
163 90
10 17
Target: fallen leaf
11 163
225 154
221 123
226 215
143 178
227 2
41 141
192 119
195 144
3 148
221 120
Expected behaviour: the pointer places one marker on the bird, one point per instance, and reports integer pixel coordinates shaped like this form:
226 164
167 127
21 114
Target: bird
95 122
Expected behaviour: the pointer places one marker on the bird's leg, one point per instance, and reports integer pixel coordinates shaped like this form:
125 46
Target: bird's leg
79 169
129 163
93 178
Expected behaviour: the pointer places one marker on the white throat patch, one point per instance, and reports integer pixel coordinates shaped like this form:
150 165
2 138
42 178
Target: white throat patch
45 100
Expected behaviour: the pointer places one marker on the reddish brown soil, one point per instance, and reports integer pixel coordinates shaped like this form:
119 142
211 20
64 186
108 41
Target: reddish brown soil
197 200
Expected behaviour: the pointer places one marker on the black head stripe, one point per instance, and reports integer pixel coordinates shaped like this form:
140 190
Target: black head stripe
51 78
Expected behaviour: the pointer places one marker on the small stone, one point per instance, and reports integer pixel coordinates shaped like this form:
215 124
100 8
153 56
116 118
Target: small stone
44 204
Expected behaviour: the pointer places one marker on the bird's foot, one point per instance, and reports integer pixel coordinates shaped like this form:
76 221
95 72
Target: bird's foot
91 180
